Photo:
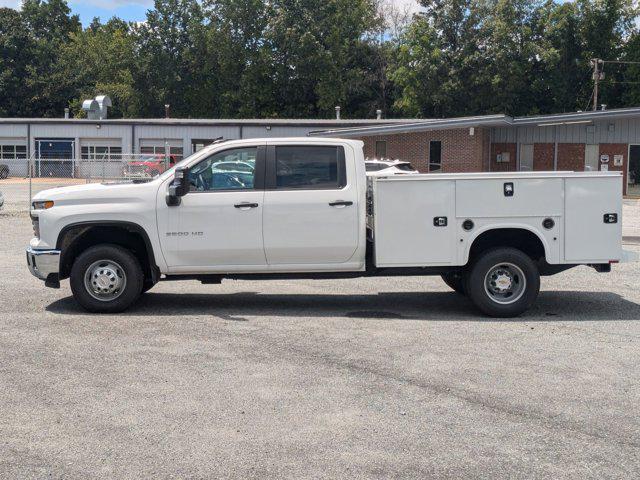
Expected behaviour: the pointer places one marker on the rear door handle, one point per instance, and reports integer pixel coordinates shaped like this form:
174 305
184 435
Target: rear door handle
340 203
246 205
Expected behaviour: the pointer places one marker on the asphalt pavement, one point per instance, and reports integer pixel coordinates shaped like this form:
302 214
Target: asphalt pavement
364 378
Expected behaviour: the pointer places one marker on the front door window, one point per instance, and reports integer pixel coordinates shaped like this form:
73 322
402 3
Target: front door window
229 170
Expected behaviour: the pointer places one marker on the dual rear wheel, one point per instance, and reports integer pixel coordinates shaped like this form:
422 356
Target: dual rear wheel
502 282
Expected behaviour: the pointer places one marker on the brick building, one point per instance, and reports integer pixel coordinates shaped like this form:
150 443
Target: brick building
570 141
600 140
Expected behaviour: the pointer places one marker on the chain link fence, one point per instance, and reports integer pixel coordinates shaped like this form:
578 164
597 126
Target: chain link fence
22 178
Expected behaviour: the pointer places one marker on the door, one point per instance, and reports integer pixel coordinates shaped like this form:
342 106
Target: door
54 157
526 157
633 176
310 205
591 158
219 222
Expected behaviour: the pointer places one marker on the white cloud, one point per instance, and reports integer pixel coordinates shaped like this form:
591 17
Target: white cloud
10 3
114 4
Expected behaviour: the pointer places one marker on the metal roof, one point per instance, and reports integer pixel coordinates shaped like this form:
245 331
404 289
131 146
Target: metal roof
481 121
419 126
206 122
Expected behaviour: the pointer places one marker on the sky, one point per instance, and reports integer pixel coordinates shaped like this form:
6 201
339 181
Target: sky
131 10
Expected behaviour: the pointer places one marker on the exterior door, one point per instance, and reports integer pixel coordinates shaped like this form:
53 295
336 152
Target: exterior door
526 157
219 222
310 206
591 158
633 176
54 157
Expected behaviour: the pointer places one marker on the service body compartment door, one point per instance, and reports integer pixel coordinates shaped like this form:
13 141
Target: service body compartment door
528 197
414 222
588 238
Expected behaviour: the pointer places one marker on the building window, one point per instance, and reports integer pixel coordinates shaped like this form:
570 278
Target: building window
199 144
435 156
381 149
173 149
13 152
97 152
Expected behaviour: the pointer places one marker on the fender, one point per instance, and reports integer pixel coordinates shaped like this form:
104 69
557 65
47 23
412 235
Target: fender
128 226
505 226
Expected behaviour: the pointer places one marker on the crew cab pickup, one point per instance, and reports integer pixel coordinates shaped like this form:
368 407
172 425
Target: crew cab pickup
304 208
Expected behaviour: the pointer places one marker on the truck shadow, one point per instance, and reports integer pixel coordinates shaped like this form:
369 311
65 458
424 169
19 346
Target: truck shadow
429 306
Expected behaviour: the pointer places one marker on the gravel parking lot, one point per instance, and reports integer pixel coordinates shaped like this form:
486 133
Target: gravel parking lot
375 378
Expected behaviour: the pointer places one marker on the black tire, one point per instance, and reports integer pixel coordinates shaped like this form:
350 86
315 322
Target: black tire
4 172
507 266
455 281
129 270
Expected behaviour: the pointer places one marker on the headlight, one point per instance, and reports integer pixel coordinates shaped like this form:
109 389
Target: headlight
42 205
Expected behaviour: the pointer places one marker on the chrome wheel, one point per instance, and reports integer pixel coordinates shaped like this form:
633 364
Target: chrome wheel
105 280
505 283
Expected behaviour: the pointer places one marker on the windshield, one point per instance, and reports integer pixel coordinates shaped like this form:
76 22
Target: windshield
200 153
374 167
405 167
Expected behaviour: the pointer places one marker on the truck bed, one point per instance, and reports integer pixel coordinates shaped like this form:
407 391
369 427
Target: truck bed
425 214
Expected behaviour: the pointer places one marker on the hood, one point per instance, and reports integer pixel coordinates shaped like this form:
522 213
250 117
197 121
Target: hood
94 193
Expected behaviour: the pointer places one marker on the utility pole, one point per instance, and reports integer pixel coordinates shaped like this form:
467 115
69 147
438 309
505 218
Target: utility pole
597 76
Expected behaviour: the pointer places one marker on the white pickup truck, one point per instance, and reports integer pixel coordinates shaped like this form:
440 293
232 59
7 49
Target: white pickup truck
304 208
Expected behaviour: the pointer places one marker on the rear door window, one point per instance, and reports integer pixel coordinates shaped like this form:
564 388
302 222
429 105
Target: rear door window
309 167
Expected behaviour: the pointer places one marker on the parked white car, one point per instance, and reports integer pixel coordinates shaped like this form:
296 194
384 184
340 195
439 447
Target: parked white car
379 168
307 210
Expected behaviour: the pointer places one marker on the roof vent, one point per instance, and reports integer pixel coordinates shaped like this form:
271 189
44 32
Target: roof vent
97 109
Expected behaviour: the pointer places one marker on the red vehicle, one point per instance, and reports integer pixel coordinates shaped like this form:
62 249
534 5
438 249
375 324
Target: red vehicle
149 166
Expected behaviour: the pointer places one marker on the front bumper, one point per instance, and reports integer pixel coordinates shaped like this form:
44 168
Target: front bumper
44 264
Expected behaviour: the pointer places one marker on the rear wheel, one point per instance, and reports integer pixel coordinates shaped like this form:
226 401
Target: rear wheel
503 282
455 281
106 279
4 172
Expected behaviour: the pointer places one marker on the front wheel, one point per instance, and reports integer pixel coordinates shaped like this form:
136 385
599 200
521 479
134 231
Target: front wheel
106 279
503 282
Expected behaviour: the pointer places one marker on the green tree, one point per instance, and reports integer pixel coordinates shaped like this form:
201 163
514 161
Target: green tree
171 46
16 49
322 56
49 25
101 60
439 60
238 60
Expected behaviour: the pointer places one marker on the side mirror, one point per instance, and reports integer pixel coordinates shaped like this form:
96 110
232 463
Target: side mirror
179 187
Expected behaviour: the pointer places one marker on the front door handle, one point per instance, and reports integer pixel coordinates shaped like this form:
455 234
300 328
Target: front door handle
340 203
246 206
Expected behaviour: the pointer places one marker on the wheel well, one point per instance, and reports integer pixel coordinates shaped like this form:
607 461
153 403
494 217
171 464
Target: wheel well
524 240
75 239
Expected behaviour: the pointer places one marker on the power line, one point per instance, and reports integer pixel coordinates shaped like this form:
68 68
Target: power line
621 61
628 83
